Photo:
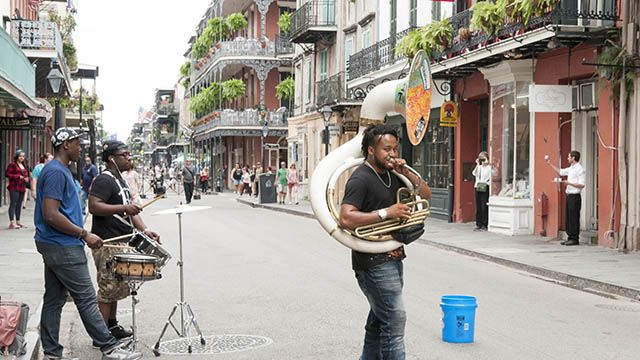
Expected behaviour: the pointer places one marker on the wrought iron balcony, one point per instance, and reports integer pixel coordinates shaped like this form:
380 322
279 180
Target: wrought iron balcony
244 118
591 14
284 46
333 91
314 21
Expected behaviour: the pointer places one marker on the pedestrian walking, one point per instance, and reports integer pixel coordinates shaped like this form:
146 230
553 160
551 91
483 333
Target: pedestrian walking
44 159
281 176
204 179
89 172
60 239
483 173
18 177
134 182
575 182
256 187
246 181
292 183
188 179
236 175
370 196
114 214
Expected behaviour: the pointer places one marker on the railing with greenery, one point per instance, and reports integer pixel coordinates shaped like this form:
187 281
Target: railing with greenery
332 90
283 44
247 117
486 22
313 13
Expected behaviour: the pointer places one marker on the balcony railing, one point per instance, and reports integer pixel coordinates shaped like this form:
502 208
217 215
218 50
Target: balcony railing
593 13
332 91
39 35
233 118
313 13
283 44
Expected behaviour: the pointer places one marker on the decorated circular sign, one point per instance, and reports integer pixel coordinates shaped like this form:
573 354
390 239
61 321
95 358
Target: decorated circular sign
418 98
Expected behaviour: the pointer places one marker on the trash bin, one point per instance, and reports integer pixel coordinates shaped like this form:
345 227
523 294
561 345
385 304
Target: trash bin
267 186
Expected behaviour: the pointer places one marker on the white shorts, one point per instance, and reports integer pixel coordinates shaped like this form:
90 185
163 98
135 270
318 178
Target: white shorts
282 188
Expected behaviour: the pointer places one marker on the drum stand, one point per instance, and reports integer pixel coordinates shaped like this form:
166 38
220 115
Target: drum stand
134 286
185 309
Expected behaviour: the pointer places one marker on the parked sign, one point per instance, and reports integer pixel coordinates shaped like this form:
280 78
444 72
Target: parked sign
449 114
550 98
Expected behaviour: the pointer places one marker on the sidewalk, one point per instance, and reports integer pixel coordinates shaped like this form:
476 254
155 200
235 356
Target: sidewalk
21 274
589 268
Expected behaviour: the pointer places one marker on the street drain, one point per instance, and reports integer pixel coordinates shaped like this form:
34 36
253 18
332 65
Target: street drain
216 344
627 308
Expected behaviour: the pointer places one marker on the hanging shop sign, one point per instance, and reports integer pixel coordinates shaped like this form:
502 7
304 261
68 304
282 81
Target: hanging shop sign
449 114
21 123
350 126
550 98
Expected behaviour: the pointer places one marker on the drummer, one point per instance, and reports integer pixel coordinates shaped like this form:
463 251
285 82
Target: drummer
114 214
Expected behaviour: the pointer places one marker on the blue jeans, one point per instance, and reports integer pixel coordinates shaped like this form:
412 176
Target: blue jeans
65 269
84 197
384 330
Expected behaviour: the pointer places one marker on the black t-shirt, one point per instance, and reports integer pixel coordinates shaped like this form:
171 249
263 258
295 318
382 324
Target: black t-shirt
237 174
366 192
105 188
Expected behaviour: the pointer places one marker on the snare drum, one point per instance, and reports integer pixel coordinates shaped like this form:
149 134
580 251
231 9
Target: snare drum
144 244
138 267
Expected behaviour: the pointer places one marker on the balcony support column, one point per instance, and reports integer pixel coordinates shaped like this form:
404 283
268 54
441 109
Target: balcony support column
263 8
262 69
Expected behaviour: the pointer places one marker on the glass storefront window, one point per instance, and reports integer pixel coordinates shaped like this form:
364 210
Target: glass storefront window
431 157
510 140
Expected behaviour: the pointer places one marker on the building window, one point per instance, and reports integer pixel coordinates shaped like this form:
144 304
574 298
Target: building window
413 13
348 51
366 37
324 66
431 157
436 11
307 81
510 139
394 18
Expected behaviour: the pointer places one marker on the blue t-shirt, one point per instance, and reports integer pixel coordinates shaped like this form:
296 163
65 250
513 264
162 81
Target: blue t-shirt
55 182
87 176
36 171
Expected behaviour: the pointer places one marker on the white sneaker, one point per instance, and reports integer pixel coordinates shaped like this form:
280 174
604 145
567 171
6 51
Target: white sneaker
118 353
51 357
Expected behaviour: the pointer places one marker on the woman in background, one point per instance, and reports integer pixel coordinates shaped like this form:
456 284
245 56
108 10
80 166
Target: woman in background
18 176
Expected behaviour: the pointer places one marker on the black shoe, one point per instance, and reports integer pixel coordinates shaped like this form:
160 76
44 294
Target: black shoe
477 228
119 332
571 243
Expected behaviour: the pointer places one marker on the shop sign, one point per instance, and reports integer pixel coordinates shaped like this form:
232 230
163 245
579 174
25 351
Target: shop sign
350 126
13 123
550 98
449 114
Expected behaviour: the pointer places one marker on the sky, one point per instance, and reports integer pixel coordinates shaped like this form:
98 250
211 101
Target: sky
138 46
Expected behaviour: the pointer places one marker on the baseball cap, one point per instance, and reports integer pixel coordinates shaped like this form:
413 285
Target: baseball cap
63 134
110 147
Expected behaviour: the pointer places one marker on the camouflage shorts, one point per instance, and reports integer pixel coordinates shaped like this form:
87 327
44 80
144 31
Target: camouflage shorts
109 288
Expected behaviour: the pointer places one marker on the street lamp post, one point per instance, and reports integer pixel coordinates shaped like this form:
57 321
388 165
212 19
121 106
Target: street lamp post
326 112
265 132
55 80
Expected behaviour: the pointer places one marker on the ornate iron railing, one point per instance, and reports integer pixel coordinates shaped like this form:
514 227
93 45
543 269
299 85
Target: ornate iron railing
593 13
313 13
248 117
283 44
239 47
333 90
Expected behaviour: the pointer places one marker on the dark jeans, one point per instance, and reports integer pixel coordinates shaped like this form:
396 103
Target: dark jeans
574 203
203 185
15 204
384 330
482 209
188 191
65 269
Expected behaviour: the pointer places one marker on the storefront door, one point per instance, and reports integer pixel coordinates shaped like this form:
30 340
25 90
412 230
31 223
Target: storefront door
585 140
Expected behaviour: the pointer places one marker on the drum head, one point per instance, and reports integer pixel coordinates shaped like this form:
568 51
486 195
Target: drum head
135 258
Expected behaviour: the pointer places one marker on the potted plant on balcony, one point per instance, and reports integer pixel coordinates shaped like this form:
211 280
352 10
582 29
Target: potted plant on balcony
441 32
488 16
409 45
286 89
464 33
543 7
233 89
284 22
236 22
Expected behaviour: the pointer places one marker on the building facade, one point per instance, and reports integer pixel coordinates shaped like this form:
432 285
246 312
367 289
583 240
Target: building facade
252 126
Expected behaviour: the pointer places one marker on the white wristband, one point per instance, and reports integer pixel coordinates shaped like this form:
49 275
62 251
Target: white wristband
382 213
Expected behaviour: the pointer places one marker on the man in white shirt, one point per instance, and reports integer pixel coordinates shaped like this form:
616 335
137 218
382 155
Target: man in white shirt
575 182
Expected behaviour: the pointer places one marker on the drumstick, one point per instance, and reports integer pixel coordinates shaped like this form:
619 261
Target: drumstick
152 201
118 238
118 246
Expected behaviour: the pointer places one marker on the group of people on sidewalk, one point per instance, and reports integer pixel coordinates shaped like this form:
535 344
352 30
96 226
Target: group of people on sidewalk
246 180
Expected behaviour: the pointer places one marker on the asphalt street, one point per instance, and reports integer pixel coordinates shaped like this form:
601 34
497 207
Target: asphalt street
288 288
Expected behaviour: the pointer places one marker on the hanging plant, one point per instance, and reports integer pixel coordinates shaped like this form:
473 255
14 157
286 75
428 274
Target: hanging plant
542 7
233 89
409 45
284 22
236 21
521 10
286 89
185 69
613 57
488 16
441 32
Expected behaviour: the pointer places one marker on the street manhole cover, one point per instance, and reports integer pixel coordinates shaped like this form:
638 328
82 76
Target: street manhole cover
216 344
627 308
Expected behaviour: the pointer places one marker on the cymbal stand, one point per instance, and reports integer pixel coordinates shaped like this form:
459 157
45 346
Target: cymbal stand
185 308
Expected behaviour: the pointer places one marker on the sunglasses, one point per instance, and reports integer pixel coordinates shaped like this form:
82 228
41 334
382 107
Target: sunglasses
125 154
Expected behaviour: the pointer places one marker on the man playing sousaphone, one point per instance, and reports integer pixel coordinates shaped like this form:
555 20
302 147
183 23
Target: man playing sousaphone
370 197
114 214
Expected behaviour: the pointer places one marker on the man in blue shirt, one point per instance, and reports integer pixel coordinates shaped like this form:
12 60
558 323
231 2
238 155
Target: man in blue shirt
89 171
60 239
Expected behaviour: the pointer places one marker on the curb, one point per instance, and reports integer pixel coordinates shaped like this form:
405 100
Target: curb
572 281
32 336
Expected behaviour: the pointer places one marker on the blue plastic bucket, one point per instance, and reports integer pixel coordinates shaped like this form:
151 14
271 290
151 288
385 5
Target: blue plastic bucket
458 318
